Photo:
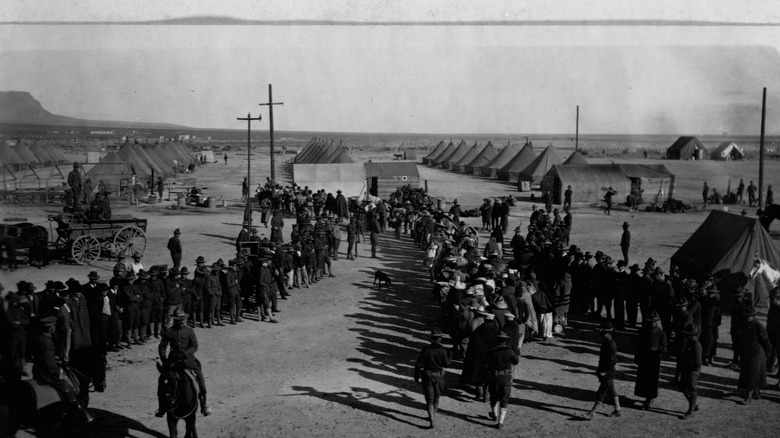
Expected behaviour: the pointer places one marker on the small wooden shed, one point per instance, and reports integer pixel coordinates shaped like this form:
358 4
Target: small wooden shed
385 177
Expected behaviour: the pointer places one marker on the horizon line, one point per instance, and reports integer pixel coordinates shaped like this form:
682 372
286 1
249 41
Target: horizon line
208 20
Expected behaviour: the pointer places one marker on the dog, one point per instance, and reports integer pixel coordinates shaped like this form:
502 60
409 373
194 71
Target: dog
382 277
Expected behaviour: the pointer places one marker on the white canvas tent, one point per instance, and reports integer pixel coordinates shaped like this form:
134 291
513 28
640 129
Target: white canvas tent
350 178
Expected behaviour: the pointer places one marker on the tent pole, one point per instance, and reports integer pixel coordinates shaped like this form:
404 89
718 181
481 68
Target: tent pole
761 155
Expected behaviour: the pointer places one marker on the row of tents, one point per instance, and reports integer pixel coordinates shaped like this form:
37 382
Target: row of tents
691 148
512 163
35 154
521 164
319 151
143 161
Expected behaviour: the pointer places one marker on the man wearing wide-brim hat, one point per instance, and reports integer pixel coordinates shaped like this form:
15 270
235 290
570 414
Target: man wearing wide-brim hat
606 371
431 362
46 371
651 343
212 295
130 302
501 359
174 246
183 345
689 361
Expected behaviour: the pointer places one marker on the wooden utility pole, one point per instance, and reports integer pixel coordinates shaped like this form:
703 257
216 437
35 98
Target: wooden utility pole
248 211
577 131
270 106
761 155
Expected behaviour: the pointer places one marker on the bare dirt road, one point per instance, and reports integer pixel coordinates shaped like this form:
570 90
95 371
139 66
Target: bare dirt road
340 361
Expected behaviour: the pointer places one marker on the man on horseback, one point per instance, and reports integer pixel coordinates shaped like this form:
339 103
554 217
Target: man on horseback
46 370
184 344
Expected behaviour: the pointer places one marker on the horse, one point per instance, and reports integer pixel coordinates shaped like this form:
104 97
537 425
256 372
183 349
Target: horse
177 391
769 214
30 405
763 268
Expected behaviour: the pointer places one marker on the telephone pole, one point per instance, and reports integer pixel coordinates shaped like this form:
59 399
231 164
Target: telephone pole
761 155
270 106
577 131
248 211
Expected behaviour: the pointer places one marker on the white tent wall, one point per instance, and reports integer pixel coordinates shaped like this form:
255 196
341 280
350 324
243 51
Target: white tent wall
350 178
208 154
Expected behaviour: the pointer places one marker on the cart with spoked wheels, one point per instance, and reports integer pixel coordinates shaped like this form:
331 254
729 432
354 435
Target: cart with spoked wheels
84 240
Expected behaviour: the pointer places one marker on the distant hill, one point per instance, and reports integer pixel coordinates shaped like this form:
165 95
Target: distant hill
20 107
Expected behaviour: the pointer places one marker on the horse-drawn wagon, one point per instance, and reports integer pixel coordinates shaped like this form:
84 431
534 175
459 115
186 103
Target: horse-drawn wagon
86 240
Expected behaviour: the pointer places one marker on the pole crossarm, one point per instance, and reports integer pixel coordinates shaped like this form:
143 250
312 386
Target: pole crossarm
270 106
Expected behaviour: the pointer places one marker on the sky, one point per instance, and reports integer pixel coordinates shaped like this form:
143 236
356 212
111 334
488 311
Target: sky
525 75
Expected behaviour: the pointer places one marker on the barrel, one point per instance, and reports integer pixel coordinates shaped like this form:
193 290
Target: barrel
180 201
152 199
211 202
441 204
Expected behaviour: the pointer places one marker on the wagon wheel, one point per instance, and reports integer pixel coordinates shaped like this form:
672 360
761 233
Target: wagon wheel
85 249
129 241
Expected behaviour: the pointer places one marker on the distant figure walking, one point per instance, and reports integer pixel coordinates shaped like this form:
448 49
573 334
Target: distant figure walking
751 194
740 190
705 193
608 199
160 187
225 157
244 190
770 196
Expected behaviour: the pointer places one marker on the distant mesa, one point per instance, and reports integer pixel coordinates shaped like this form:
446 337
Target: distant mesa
22 107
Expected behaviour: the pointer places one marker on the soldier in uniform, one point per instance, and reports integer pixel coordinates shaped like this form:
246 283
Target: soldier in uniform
147 301
432 361
174 294
157 287
46 371
352 239
130 302
198 286
213 292
264 291
606 372
183 344
499 364
233 292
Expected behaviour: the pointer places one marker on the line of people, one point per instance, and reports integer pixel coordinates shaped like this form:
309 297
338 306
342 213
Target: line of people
482 296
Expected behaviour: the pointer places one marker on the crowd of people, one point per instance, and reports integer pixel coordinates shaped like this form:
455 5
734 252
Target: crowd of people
491 302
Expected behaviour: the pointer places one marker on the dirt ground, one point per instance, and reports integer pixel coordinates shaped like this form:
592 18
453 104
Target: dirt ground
340 361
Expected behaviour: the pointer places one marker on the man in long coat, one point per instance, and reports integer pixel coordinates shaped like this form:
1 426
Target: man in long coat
342 210
752 364
480 343
651 343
